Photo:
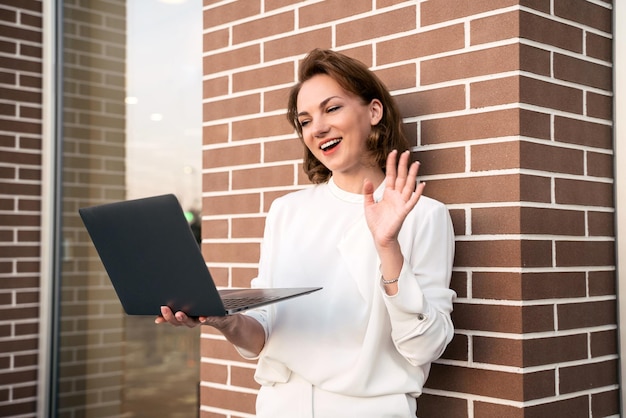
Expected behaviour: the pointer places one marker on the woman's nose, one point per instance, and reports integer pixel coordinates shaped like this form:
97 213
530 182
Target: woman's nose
320 127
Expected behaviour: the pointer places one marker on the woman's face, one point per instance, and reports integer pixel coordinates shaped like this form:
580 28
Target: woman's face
335 125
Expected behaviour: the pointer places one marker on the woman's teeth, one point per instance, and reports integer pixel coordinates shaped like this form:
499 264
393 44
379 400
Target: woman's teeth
328 145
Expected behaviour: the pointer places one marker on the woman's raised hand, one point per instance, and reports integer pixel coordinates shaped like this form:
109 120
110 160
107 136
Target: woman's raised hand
385 217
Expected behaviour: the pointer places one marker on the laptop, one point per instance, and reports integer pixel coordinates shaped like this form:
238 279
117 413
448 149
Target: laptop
153 259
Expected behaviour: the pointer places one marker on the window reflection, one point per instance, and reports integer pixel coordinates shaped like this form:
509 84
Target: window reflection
131 128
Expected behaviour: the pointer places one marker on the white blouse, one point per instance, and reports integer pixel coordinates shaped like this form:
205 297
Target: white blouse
350 338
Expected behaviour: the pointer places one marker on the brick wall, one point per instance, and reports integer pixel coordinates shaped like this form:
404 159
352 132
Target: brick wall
20 203
92 324
508 105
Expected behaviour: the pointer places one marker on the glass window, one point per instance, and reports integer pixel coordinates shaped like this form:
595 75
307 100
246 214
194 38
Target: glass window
131 128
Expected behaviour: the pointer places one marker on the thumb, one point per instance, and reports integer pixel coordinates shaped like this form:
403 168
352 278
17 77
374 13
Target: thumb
368 192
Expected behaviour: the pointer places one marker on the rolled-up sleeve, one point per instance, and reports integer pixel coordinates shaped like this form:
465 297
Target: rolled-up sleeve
420 311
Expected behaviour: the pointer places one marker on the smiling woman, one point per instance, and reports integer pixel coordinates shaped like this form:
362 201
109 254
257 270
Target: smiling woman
383 258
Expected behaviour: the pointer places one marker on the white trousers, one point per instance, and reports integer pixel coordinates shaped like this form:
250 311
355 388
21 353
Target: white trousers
299 399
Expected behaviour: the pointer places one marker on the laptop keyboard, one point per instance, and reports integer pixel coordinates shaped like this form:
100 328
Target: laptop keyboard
235 302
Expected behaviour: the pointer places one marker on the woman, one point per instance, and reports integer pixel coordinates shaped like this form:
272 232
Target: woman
382 252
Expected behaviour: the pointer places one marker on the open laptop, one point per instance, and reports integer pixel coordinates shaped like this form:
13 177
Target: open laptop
152 258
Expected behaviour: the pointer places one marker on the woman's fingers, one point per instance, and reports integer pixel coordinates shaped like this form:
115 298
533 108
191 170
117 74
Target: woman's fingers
400 175
391 170
176 319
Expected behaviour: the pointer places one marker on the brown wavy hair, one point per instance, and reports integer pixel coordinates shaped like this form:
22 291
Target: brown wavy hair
354 77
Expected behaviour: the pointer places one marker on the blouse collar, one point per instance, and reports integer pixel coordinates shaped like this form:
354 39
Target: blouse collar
353 197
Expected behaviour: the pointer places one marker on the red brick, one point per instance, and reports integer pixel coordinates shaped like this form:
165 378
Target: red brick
231 156
492 124
490 410
601 224
586 314
273 176
398 77
331 10
438 11
429 405
231 107
230 12
213 182
243 377
243 402
545 157
599 47
470 64
376 26
585 253
494 28
219 349
503 318
496 188
569 408
215 134
277 4
257 29
212 229
494 92
216 39
530 353
604 404
551 32
604 343
602 283
261 127
231 252
214 87
215 373
599 105
275 99
441 161
248 227
263 77
422 44
446 99
499 351
492 383
283 150
587 73
241 277
581 192
297 44
588 376
231 59
586 13
231 204
552 96
528 286
580 132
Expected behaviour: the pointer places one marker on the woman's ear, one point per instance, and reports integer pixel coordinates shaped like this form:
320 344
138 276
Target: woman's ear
376 111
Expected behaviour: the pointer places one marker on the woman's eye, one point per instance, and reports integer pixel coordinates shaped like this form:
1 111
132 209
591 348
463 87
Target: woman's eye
304 123
332 109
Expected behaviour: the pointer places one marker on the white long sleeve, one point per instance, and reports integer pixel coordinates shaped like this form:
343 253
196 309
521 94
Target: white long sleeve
351 338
